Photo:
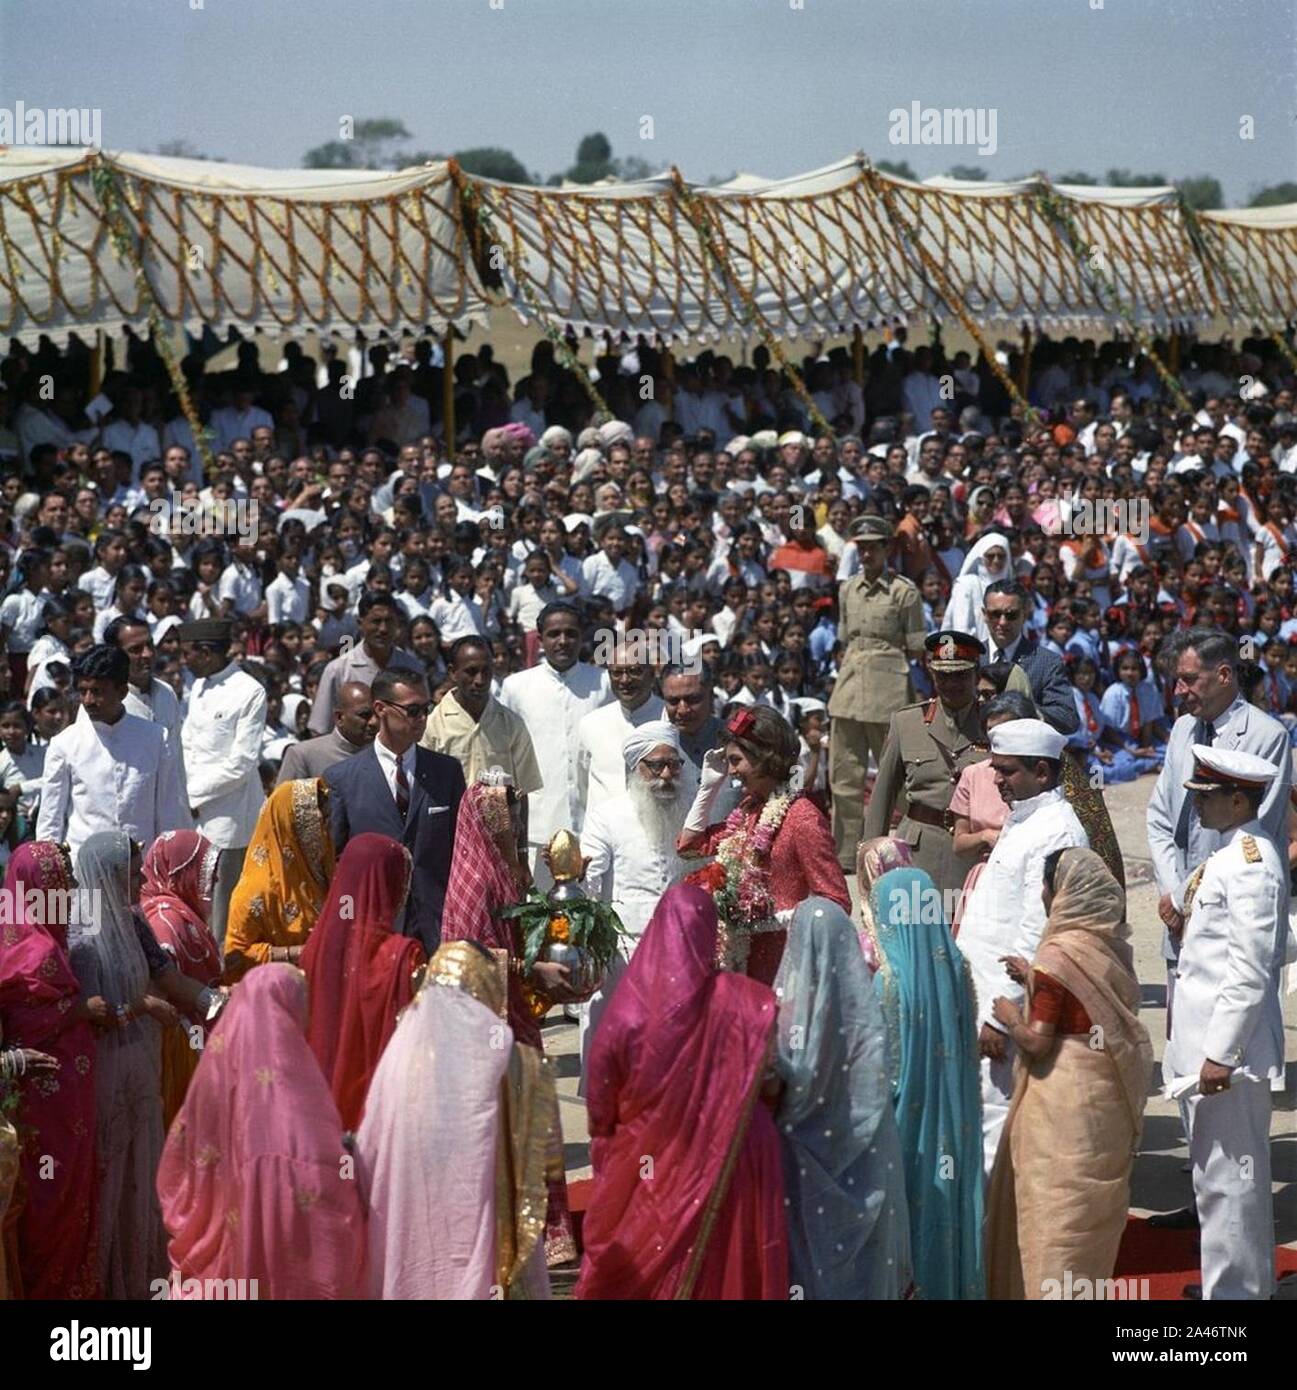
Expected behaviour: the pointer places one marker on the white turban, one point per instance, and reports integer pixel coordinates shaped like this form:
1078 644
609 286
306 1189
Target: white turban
588 438
640 742
585 463
615 432
556 434
1027 738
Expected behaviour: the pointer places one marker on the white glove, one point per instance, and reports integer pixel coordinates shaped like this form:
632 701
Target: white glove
714 775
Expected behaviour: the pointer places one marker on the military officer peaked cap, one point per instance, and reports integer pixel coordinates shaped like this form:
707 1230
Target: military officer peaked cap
953 651
871 528
1227 769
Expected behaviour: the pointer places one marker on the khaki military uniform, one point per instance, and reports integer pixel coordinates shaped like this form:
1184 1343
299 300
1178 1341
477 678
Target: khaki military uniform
880 624
927 748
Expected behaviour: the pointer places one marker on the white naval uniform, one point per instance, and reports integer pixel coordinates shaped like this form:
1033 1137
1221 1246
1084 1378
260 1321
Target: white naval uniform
552 704
1005 916
1227 1010
601 770
629 873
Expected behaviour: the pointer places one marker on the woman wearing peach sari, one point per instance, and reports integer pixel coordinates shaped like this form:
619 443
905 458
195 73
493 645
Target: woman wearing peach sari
176 900
1060 1190
286 872
253 1181
455 1144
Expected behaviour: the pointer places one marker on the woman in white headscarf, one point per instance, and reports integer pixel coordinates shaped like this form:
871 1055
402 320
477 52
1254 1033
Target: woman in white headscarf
985 563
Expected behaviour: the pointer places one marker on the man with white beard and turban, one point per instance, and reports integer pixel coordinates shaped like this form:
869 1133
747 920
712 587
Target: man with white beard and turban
629 842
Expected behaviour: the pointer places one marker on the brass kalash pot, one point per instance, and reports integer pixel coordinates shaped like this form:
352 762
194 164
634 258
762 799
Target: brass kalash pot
565 862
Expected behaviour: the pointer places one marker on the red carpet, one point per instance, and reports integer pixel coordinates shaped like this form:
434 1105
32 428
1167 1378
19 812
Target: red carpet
1167 1259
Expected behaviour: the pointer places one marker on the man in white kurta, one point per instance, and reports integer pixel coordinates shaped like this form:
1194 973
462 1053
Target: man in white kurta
602 772
552 698
108 770
1005 914
147 697
630 841
225 723
1227 1043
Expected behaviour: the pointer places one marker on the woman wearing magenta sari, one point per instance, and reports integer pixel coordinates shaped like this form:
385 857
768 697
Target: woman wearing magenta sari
41 1007
688 1197
361 973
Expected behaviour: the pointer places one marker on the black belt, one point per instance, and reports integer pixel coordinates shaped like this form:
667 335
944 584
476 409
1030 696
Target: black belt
925 815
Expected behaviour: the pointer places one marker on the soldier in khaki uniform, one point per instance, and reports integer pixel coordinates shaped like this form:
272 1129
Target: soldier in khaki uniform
880 623
928 746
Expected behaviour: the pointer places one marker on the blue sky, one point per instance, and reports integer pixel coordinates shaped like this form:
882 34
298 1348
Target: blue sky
751 85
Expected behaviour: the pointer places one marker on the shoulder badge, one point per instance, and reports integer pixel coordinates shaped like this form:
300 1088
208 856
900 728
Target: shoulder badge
1192 887
1251 850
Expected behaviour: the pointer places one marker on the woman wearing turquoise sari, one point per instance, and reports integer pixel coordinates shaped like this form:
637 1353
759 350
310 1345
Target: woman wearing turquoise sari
848 1229
928 1009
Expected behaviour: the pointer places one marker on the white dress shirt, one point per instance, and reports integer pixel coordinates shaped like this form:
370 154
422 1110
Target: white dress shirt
161 706
552 704
387 761
240 584
602 770
287 600
140 441
229 424
222 735
619 585
21 614
626 870
99 584
118 776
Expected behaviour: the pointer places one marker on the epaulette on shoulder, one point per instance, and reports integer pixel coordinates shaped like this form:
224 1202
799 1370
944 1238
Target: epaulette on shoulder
1251 850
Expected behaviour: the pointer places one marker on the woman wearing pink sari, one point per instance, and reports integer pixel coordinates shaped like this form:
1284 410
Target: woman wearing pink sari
487 874
176 900
676 1070
361 974
252 1182
41 1007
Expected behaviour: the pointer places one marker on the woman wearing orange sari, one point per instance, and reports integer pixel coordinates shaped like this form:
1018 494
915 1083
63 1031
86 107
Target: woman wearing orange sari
1060 1189
360 972
176 900
287 869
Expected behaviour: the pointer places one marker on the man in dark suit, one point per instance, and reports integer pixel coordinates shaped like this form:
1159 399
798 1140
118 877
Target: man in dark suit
1005 608
354 726
409 793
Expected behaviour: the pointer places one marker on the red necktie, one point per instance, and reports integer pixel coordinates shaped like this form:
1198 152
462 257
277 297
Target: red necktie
402 789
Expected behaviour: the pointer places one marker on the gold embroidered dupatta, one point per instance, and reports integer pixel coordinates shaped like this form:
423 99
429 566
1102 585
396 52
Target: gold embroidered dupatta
286 873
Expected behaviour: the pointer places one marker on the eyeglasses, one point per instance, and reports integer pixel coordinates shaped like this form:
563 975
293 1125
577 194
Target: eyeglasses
657 766
416 711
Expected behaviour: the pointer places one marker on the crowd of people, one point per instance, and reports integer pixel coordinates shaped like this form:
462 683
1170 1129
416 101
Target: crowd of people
303 723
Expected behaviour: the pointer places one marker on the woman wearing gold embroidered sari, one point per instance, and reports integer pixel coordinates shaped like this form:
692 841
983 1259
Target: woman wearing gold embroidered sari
285 875
1060 1189
452 1149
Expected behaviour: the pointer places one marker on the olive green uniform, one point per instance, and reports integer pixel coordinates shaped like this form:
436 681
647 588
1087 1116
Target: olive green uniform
927 748
880 624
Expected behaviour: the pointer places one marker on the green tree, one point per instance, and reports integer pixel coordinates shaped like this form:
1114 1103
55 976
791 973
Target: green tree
1086 180
973 173
182 149
489 162
1275 194
594 160
368 148
1201 193
1123 178
897 168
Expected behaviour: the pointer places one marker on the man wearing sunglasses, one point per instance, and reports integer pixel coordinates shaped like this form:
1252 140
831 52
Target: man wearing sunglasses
408 793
